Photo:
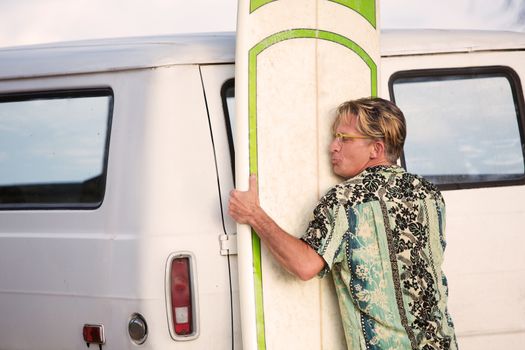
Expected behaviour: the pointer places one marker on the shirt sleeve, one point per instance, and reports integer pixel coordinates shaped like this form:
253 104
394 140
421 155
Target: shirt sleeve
325 231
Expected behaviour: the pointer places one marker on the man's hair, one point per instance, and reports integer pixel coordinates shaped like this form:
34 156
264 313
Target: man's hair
377 118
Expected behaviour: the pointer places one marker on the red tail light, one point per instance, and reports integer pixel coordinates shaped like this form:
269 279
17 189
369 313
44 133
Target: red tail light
181 296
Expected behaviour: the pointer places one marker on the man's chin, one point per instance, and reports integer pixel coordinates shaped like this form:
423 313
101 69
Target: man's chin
337 171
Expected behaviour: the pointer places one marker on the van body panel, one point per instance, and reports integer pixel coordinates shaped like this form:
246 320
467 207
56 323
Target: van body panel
215 78
105 55
101 266
402 42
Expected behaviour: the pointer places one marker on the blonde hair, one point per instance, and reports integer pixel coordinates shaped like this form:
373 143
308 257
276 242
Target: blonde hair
377 118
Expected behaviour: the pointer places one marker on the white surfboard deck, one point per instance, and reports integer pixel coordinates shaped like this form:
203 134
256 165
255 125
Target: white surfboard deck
296 61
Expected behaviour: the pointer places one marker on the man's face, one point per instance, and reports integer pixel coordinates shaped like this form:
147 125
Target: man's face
350 156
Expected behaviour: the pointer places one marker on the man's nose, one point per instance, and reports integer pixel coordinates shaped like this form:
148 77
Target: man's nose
334 146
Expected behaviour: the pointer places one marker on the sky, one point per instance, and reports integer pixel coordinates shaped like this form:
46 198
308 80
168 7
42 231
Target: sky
24 22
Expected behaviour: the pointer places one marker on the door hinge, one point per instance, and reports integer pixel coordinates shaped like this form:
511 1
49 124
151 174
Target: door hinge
228 244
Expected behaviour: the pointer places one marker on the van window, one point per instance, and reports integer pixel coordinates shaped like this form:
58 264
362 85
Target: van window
53 149
465 127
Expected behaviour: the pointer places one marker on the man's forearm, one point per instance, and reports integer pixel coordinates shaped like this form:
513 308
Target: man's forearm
292 253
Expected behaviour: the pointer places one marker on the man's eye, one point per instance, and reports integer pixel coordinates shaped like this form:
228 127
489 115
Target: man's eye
345 139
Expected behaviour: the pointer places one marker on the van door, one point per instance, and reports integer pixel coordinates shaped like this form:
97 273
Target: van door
219 89
465 122
109 213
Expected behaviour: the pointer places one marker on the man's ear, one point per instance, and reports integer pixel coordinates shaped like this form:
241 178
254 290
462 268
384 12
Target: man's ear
378 149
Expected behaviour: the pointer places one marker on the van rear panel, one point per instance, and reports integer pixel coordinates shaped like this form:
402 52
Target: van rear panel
66 267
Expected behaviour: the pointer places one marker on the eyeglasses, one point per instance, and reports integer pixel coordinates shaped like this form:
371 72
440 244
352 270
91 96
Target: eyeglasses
343 138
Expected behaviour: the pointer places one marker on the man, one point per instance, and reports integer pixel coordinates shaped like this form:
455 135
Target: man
380 233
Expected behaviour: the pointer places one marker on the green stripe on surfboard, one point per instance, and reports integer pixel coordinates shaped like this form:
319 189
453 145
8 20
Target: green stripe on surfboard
255 4
252 115
366 8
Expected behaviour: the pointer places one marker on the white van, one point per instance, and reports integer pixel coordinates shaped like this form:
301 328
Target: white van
116 160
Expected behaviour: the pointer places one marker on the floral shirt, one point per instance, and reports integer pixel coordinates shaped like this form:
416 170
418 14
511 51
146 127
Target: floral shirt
382 236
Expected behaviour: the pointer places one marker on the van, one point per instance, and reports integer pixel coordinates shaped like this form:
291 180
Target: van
117 158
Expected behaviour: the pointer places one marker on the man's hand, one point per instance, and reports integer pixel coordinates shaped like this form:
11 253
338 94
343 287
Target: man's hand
244 205
293 254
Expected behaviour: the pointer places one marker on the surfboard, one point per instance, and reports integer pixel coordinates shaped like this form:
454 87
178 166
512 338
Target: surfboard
296 61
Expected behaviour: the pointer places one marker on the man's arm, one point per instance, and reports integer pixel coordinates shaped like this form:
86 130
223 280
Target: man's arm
292 253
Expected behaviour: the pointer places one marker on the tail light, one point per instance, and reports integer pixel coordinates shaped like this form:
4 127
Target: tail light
181 296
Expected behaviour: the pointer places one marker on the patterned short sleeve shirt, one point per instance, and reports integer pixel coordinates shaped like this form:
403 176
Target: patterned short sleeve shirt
382 236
